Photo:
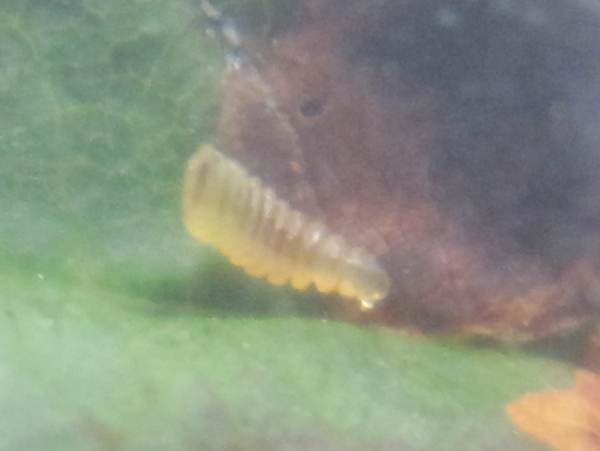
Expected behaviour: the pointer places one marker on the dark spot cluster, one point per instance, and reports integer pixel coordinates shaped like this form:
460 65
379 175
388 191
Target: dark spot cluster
311 108
516 87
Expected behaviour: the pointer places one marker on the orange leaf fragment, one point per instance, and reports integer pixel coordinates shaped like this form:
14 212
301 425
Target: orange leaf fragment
566 420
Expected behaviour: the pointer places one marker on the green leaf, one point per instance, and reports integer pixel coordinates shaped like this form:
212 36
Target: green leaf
118 332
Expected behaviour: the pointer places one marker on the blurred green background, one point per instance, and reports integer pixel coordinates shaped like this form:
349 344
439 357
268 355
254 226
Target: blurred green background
119 332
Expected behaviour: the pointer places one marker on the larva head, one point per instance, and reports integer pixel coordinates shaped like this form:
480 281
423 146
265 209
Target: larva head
455 141
371 282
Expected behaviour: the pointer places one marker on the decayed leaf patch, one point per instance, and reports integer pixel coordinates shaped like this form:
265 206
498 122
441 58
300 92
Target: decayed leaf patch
566 420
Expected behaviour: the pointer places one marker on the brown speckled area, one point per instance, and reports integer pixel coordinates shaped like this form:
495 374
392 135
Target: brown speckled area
456 140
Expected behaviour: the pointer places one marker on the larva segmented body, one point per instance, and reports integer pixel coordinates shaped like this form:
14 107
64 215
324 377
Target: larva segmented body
226 207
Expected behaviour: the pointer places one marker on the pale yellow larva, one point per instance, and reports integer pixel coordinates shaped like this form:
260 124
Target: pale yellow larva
226 207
